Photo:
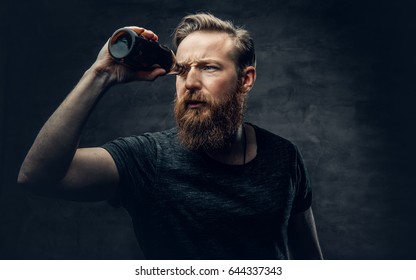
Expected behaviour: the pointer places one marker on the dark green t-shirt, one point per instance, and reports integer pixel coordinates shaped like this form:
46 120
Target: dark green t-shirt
185 205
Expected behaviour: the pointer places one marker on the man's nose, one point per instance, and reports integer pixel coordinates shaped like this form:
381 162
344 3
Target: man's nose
193 79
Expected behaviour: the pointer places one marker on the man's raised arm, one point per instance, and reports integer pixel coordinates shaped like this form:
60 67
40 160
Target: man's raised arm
54 165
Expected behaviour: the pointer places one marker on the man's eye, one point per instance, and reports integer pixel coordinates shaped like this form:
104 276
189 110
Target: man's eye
209 67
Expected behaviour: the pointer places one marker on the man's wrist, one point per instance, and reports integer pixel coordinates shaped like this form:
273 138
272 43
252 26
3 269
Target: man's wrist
100 78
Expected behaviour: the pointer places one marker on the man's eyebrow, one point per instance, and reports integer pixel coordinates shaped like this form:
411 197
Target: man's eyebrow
200 61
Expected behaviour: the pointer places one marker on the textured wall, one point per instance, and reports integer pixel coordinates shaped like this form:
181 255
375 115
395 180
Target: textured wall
335 77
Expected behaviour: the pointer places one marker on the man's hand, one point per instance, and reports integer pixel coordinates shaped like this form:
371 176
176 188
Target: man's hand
120 73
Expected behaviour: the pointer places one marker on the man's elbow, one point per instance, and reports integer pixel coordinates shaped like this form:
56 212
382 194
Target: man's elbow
25 181
30 182
22 179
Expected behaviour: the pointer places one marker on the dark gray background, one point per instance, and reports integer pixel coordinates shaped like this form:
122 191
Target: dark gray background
335 77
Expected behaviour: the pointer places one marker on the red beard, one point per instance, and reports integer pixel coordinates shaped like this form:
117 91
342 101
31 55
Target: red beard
211 126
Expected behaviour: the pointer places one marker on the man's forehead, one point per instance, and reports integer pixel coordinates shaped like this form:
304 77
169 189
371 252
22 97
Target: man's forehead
202 44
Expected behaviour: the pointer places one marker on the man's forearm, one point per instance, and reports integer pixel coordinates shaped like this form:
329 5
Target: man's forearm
54 147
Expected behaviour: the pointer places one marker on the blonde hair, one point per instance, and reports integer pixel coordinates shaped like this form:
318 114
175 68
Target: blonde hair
244 54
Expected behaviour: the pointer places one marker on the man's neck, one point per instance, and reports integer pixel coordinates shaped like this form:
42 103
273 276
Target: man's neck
242 147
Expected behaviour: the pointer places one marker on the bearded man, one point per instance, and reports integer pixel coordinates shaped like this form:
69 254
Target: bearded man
214 187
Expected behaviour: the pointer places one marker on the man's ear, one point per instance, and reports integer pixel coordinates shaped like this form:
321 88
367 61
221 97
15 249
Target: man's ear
248 79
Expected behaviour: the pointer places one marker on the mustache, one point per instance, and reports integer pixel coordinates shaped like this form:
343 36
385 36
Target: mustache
192 96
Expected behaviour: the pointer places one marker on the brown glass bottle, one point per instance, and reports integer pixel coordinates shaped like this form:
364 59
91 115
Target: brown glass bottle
127 47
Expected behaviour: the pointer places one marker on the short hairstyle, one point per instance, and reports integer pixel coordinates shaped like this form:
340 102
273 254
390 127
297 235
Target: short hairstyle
244 54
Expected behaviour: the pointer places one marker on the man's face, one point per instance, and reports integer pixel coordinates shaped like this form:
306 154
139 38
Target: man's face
209 104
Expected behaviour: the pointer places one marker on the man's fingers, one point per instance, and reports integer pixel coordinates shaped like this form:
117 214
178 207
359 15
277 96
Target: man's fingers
148 34
138 30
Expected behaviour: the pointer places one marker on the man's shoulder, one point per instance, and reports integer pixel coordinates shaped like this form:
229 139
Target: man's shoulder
164 136
164 133
269 138
146 139
155 135
274 148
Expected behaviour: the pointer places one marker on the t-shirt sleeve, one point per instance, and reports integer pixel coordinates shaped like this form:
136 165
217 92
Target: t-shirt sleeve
303 196
135 158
